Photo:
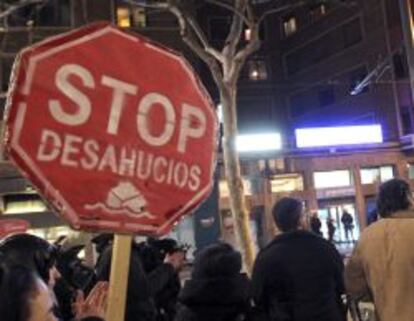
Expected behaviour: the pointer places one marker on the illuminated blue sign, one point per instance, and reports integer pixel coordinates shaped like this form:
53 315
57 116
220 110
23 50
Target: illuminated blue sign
338 136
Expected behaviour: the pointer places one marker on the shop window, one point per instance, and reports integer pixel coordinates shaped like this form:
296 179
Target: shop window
257 70
20 204
378 174
51 234
224 189
411 170
331 179
286 183
290 26
318 12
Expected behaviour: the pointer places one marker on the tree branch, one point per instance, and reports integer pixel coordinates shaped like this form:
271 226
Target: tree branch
22 3
229 7
236 30
241 56
280 9
194 45
203 39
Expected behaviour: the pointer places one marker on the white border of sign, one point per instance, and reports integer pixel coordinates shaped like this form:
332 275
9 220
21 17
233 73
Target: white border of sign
21 113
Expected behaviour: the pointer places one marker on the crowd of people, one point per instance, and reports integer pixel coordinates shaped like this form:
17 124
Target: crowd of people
299 276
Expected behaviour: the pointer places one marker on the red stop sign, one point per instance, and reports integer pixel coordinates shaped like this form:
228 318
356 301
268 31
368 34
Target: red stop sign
116 132
12 226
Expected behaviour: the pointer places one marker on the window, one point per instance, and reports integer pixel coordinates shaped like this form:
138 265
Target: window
322 48
379 174
326 96
123 17
23 203
299 104
318 12
219 28
257 70
247 34
406 120
225 192
286 183
290 26
139 17
411 171
351 33
5 69
338 178
400 65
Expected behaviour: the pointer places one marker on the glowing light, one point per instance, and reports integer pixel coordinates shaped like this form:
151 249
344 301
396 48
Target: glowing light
259 142
337 136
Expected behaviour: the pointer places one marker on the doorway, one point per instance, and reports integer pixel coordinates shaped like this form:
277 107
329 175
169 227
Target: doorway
334 211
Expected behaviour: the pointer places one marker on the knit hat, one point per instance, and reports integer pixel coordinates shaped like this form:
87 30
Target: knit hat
217 260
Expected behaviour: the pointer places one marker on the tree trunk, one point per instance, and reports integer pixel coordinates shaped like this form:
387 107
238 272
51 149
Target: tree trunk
233 175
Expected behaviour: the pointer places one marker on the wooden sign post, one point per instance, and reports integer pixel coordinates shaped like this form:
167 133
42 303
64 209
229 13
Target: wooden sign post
121 253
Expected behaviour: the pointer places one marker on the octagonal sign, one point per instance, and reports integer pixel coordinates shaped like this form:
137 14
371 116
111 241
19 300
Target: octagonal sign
116 132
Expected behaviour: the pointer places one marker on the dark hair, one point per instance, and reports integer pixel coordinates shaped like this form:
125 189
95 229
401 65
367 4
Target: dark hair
17 286
287 213
29 251
217 260
394 195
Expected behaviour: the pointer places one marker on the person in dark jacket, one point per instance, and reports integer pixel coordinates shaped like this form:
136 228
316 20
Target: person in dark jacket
315 224
217 290
140 303
298 276
40 256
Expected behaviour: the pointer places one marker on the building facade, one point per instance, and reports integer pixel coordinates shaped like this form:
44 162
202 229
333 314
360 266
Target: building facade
307 74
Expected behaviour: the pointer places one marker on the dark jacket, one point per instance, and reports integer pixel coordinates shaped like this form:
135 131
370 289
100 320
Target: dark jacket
215 299
165 285
299 277
140 304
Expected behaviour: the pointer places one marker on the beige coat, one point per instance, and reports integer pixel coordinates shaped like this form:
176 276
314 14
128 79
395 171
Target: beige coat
382 266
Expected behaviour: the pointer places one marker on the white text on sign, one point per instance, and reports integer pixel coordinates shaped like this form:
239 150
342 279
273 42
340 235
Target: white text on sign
86 153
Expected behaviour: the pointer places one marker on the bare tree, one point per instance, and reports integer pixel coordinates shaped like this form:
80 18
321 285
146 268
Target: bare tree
225 65
7 8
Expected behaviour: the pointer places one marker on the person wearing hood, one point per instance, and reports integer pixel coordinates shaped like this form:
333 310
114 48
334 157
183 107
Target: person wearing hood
298 276
217 291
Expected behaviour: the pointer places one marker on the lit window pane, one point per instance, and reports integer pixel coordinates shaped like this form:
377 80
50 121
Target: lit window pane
374 175
123 17
286 183
411 171
370 175
387 173
140 17
257 70
340 178
289 26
